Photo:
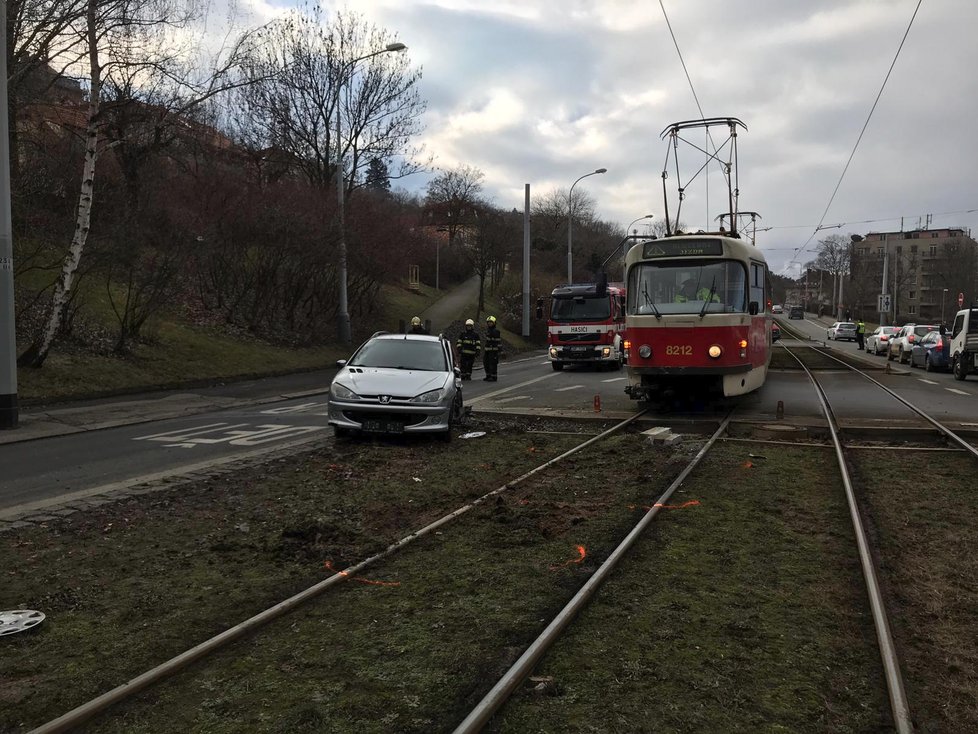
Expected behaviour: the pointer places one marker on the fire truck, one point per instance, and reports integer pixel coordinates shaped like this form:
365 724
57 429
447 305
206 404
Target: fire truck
585 325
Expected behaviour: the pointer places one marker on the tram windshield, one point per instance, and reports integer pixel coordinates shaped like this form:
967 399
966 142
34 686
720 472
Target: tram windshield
581 308
692 286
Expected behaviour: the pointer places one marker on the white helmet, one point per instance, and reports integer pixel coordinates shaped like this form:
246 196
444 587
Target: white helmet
416 321
469 322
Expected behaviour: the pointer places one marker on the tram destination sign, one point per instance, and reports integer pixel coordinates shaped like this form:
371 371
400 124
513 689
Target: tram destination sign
681 248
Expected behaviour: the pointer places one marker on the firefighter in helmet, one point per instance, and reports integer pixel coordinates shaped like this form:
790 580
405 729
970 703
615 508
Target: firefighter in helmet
417 327
469 345
494 341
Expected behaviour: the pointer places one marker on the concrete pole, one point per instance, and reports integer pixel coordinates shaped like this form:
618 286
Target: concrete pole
526 260
343 314
8 340
884 315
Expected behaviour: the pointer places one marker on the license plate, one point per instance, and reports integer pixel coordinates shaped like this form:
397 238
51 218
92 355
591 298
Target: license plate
381 426
579 349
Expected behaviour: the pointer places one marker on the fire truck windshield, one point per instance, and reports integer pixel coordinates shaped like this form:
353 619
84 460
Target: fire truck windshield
579 308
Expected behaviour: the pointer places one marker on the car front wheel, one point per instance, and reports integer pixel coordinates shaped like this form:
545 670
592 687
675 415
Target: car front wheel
558 366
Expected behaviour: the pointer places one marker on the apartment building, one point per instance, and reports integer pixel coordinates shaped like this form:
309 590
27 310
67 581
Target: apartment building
927 269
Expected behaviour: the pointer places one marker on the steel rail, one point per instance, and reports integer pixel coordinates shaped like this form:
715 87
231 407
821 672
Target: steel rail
937 424
891 666
82 713
483 711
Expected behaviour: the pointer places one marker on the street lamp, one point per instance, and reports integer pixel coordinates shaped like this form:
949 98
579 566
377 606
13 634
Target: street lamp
943 299
647 216
343 316
570 223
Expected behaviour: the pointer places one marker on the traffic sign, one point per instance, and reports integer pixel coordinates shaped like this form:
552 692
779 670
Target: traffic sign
960 300
883 303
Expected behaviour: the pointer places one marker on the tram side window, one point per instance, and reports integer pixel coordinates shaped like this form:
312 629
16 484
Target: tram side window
757 284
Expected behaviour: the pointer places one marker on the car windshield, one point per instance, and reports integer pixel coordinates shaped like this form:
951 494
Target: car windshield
402 354
931 337
923 330
847 325
581 308
686 287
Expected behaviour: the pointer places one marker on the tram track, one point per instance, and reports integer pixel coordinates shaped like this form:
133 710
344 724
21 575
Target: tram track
870 557
463 579
127 691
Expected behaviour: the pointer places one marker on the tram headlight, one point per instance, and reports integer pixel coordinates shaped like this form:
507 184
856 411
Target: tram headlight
645 351
715 351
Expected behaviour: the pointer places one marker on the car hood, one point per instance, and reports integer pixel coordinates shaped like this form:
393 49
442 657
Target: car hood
386 381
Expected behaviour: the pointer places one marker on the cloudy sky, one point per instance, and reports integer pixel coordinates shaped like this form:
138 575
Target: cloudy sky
544 91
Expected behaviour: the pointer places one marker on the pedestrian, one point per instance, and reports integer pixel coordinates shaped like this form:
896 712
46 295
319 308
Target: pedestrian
821 310
848 315
860 335
494 340
469 345
417 327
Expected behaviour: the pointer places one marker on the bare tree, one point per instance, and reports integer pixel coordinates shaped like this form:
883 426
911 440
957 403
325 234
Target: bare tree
452 199
306 64
124 39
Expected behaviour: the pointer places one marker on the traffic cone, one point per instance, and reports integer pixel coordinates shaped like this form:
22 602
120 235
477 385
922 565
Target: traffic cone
597 403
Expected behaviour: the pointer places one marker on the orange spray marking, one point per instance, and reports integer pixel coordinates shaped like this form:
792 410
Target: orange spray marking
581 554
328 565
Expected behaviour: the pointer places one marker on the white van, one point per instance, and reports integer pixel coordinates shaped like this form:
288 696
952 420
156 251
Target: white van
964 343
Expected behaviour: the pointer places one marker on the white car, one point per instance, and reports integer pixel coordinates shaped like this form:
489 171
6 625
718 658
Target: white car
879 341
841 330
397 383
777 308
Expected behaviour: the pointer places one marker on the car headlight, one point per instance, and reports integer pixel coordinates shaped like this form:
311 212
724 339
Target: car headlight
341 392
433 396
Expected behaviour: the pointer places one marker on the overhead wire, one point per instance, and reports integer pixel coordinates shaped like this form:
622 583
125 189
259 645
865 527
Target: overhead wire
861 133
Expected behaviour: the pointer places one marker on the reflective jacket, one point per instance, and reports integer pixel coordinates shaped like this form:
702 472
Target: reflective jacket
494 340
860 328
701 295
468 343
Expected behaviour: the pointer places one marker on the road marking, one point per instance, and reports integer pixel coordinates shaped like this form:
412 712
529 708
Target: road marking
615 379
515 397
509 389
959 392
929 382
250 437
569 387
293 408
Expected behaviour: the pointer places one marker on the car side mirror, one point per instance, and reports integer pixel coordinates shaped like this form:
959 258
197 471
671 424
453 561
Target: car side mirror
341 363
753 308
457 371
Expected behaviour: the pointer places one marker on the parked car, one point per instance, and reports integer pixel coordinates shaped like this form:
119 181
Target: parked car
775 331
932 352
777 308
964 343
841 330
397 383
901 344
879 340
796 312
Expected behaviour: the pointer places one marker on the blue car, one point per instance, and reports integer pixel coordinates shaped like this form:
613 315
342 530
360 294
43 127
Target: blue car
932 352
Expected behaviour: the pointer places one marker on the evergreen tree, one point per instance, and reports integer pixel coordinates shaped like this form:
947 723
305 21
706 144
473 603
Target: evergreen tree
378 178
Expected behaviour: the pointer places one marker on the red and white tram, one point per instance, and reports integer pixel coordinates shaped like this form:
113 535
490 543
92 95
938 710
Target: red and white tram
697 309
696 315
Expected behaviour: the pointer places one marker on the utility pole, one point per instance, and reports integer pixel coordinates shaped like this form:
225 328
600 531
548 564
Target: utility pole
8 340
526 261
886 265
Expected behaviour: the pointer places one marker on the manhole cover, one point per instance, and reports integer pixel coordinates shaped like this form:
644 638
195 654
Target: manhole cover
18 620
